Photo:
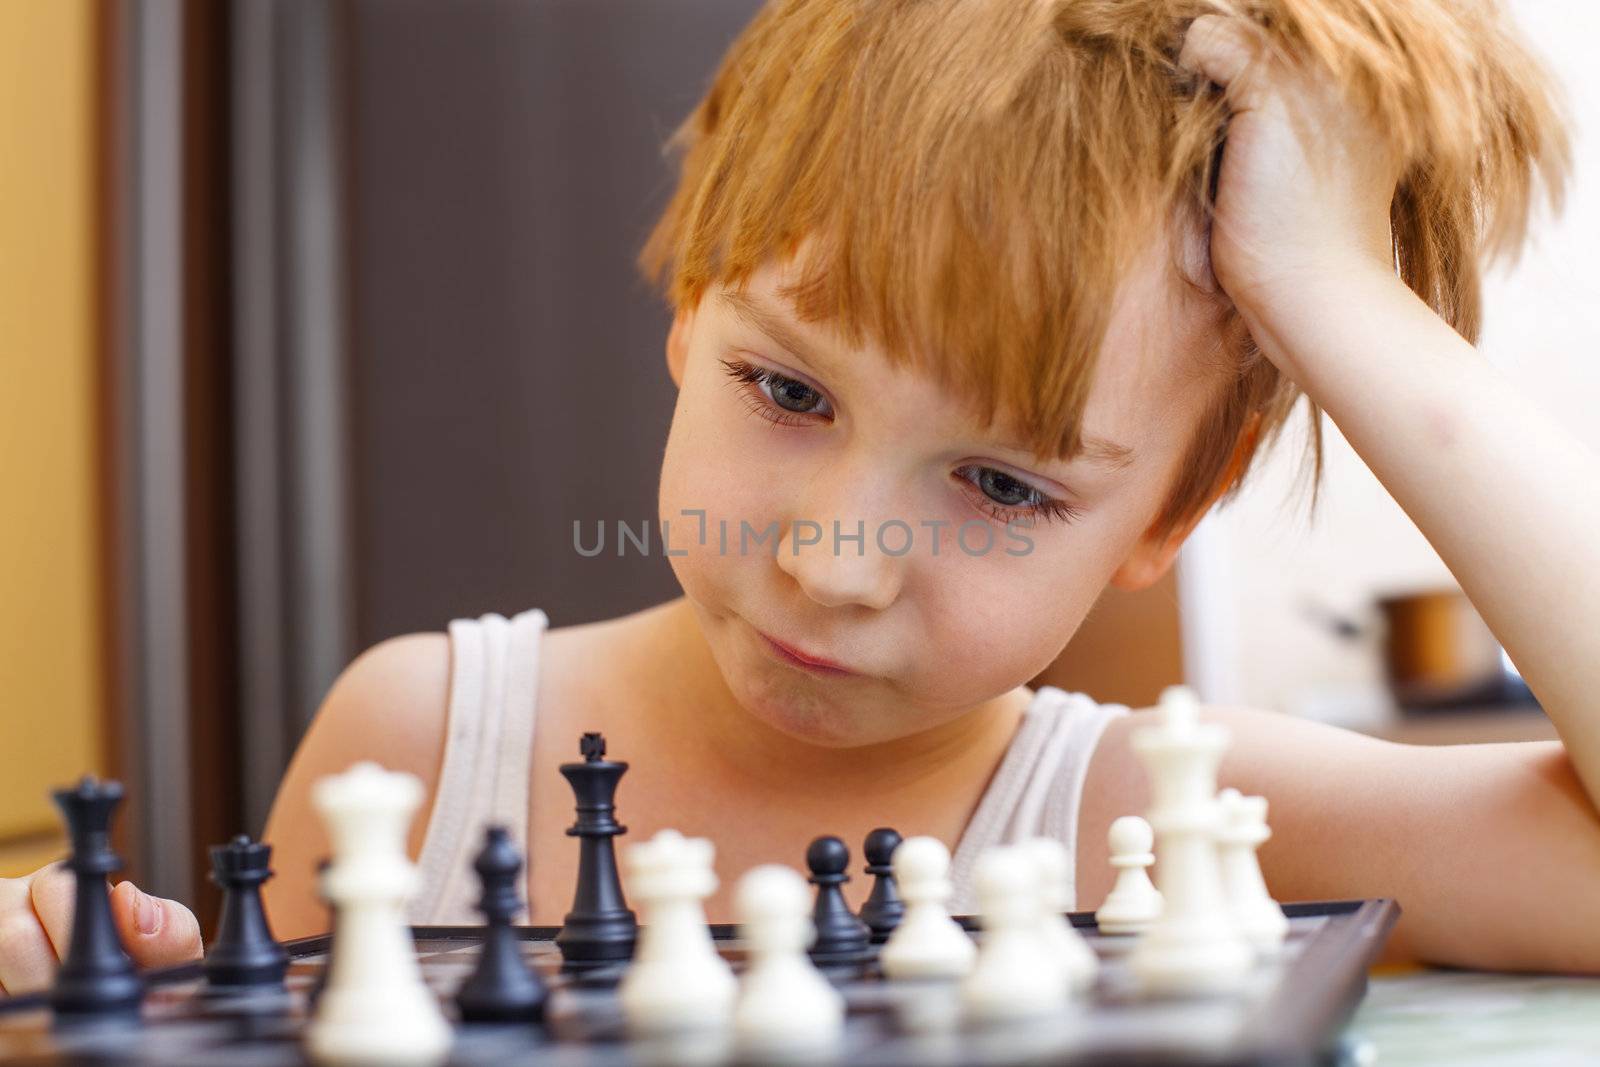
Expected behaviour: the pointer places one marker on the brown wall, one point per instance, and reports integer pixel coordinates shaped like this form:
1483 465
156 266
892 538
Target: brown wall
1127 650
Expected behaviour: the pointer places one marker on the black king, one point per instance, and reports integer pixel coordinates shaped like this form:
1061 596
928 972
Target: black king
599 930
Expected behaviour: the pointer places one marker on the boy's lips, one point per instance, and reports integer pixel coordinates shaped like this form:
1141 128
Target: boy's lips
790 654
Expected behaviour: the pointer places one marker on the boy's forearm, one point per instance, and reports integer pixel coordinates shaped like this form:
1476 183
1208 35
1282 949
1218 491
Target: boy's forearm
1507 497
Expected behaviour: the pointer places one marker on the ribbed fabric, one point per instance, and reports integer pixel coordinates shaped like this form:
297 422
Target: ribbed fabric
1038 787
494 678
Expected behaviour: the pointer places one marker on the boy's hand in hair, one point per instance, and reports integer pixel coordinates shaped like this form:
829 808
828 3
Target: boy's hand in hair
1306 179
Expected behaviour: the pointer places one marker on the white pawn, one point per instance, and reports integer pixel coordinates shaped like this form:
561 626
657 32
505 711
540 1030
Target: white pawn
1242 831
785 1005
1134 903
375 1008
677 982
1068 949
928 943
1014 978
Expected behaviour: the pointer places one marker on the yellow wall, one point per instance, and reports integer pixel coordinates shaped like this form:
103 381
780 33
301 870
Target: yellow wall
51 672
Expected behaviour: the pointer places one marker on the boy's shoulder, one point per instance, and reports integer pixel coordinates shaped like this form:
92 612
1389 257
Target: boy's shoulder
405 681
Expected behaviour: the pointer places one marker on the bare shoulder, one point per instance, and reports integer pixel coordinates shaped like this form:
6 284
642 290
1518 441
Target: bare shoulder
1466 837
390 705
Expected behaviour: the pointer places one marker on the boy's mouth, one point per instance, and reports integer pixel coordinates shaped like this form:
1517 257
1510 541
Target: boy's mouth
796 658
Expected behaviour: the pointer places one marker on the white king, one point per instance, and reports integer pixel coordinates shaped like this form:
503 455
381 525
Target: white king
1195 947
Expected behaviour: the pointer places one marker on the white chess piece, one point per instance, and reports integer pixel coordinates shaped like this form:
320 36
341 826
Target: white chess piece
376 1008
677 981
1015 977
928 943
1069 950
785 1005
1194 948
1243 829
1134 903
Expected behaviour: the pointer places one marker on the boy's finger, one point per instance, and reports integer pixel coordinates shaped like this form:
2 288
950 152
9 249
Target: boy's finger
27 961
1222 49
52 889
157 932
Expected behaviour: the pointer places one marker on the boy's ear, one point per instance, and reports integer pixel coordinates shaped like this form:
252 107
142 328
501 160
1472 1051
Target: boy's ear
1151 558
678 345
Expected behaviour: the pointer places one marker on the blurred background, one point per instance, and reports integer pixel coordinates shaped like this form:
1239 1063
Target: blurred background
321 326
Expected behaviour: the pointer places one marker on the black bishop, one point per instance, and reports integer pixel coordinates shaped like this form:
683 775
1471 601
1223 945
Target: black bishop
503 988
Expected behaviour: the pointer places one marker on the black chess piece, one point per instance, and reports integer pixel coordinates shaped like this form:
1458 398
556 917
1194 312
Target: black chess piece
841 937
884 909
97 978
599 930
244 954
315 992
503 988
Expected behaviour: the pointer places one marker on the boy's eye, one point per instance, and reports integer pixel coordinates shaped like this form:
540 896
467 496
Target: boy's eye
781 399
1004 489
1009 500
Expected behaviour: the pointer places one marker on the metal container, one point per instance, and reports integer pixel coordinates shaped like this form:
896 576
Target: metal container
1439 654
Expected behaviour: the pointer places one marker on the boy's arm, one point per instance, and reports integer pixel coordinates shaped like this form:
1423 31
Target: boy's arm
1508 498
390 706
1491 850
1301 243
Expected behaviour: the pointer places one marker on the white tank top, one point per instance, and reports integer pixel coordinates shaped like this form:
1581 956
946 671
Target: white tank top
494 679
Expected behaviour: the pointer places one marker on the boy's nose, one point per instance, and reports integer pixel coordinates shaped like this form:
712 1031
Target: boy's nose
841 562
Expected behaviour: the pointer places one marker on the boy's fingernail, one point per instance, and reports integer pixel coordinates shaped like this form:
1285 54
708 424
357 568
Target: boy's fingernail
146 914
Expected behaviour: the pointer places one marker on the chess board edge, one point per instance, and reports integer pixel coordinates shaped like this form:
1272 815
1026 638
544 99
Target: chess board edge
1376 917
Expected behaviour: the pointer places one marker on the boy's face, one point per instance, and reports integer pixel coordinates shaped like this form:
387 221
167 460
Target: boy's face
938 607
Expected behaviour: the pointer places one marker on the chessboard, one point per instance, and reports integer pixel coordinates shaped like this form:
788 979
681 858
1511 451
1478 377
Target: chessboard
1292 1011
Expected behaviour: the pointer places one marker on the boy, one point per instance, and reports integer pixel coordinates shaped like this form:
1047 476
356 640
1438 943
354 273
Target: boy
945 267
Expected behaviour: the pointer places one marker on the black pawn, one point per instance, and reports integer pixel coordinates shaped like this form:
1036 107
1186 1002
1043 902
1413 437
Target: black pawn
884 909
503 988
315 992
244 954
841 937
599 930
97 978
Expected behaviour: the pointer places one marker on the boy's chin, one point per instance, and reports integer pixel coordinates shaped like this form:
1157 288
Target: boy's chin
824 724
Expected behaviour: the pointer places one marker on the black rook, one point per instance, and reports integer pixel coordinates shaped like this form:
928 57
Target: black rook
244 953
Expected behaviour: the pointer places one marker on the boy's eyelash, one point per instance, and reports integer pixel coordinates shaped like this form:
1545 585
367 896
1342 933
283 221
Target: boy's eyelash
1044 507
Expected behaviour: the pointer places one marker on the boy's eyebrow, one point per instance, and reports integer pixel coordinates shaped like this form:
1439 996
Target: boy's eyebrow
755 313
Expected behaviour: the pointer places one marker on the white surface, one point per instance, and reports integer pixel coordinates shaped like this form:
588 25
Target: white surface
1134 903
785 1004
1194 947
1015 977
928 943
1067 948
1242 830
376 1008
678 981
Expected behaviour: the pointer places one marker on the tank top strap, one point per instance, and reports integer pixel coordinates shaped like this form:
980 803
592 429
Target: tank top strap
483 776
1038 787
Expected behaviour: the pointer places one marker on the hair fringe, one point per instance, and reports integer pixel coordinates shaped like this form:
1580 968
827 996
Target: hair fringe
978 174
